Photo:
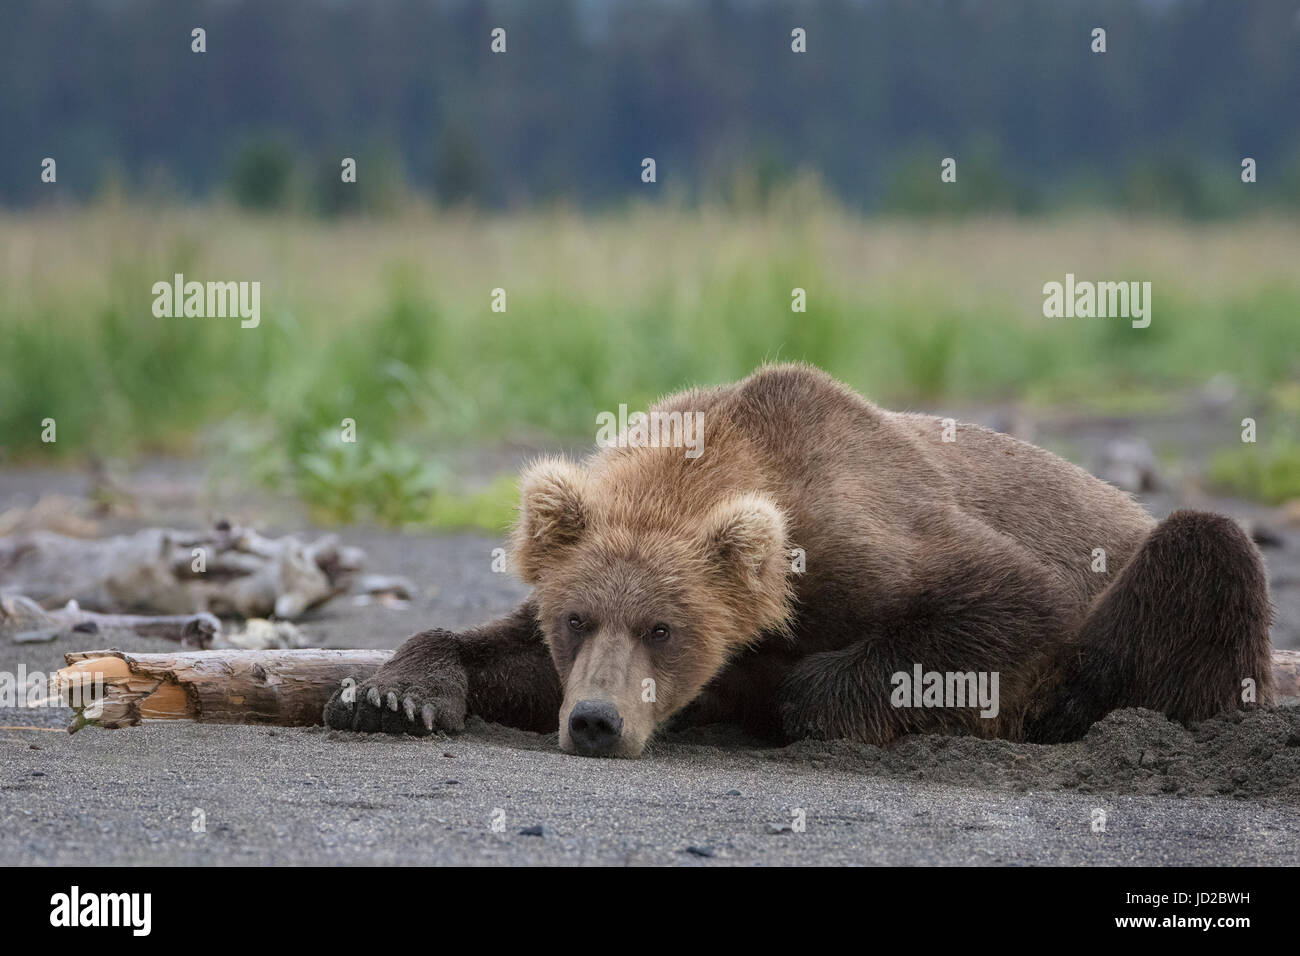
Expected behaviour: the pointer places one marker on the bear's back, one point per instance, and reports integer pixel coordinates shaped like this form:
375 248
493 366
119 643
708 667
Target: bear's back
871 485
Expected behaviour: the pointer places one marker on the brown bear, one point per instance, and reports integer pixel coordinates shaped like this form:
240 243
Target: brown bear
816 562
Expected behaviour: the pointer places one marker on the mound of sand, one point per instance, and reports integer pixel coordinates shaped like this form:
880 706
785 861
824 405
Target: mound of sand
1253 756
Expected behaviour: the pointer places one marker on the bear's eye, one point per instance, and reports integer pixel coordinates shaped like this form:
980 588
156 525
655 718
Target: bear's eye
576 623
659 632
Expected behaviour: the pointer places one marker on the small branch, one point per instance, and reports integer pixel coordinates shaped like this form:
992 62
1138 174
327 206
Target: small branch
26 622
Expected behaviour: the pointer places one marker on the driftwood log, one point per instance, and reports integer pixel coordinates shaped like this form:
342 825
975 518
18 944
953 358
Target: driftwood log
228 571
1286 673
286 687
23 621
290 687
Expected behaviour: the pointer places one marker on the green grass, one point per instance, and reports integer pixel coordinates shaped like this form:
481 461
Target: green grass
1267 469
1267 472
490 509
388 323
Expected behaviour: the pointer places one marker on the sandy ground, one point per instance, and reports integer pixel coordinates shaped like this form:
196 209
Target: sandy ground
1223 792
315 796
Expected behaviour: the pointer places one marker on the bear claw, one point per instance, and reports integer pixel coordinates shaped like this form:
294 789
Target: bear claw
401 703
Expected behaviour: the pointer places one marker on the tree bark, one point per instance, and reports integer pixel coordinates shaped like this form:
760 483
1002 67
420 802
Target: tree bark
290 688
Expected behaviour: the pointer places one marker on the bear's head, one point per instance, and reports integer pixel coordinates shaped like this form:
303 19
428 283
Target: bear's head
642 601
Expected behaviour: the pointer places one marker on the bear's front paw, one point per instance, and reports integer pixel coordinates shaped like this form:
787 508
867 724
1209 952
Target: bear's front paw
396 702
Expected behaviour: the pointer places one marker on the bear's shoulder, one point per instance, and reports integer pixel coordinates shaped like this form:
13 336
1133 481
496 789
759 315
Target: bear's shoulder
802 389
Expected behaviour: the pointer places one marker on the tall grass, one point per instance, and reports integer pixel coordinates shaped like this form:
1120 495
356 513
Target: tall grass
389 323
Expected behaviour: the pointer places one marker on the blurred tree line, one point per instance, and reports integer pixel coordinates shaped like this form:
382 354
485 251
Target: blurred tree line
710 88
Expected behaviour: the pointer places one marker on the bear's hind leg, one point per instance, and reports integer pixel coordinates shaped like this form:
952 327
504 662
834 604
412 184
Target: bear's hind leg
965 626
1181 630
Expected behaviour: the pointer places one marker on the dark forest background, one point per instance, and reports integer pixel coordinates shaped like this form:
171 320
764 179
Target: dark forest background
1160 122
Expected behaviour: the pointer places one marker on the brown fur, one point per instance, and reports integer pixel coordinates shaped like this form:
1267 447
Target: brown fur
970 555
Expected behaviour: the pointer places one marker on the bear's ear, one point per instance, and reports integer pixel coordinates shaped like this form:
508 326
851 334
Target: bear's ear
744 537
553 514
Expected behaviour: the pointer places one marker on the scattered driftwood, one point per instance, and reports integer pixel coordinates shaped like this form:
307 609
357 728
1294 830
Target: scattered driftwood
1130 464
23 621
259 634
58 513
1286 673
386 585
227 571
385 589
290 688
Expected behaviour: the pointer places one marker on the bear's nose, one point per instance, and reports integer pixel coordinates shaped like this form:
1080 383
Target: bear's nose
594 726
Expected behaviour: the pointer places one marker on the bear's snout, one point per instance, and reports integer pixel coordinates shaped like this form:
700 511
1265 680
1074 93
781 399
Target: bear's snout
595 727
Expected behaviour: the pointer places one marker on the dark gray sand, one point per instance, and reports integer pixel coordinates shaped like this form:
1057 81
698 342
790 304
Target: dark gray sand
1224 792
1138 790
271 796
